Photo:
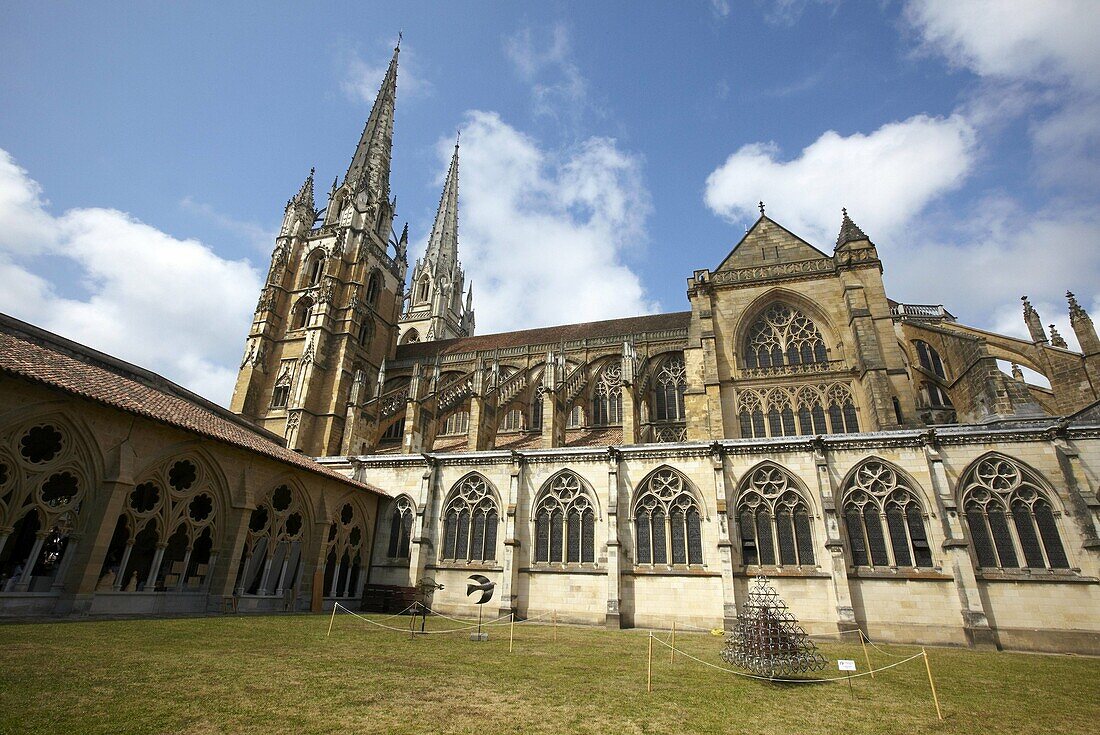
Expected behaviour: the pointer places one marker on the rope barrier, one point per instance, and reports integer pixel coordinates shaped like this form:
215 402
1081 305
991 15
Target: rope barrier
502 620
785 681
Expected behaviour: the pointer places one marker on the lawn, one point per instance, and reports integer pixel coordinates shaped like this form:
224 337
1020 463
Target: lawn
281 674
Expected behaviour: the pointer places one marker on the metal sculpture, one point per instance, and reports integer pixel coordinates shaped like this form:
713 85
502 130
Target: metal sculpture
422 606
767 638
484 585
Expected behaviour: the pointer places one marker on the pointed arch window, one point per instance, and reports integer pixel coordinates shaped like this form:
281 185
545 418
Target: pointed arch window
536 409
513 420
366 332
774 520
315 267
374 288
346 545
607 396
930 360
783 335
842 409
401 523
470 522
565 523
303 310
669 387
667 522
457 423
272 551
1012 522
883 519
423 289
576 417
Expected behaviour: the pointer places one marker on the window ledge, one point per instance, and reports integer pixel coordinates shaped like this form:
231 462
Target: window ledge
1066 577
905 573
672 572
563 570
462 566
752 571
392 563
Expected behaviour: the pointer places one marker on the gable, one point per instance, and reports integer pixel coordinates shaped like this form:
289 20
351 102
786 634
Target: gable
768 243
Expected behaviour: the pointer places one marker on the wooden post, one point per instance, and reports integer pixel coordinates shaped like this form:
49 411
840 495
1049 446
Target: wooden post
332 619
928 668
649 667
511 631
672 647
866 658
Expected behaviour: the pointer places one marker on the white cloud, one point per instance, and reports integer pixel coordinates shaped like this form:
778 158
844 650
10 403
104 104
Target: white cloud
721 8
170 305
363 78
558 89
542 235
1016 39
884 178
257 235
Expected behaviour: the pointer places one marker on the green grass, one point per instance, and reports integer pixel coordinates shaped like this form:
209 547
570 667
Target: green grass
280 674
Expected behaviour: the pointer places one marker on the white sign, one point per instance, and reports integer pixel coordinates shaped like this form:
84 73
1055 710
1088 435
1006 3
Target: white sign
845 664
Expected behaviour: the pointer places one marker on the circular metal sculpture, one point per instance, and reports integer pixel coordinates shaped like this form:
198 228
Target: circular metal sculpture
767 638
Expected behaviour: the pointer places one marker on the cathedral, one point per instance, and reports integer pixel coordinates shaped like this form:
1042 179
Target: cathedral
887 466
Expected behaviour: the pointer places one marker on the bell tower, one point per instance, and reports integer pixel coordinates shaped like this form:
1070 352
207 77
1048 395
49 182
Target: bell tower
328 311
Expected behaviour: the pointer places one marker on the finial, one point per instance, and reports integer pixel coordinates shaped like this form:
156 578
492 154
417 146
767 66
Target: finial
400 34
1075 309
1017 373
761 208
458 137
844 211
1055 338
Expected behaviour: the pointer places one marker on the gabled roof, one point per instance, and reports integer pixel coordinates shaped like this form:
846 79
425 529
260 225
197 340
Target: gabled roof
767 242
46 358
547 335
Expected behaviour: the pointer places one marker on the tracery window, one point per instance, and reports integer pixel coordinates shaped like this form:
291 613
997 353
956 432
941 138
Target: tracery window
774 520
667 522
782 335
1013 524
669 386
164 538
346 546
576 417
457 423
565 522
797 411
513 420
884 520
607 396
401 523
374 287
470 522
43 484
929 358
423 289
272 553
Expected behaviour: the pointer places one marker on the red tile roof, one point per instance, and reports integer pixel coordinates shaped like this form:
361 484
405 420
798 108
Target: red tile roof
43 357
600 437
548 335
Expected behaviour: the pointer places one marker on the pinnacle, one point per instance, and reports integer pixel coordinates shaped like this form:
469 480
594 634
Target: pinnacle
1075 309
849 231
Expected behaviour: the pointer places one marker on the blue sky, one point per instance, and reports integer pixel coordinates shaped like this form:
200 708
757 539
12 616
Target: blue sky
609 149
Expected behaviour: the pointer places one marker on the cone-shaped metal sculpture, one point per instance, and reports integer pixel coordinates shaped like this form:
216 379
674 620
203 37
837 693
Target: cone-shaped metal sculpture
767 638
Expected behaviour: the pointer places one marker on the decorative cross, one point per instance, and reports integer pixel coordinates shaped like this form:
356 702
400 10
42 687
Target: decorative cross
761 209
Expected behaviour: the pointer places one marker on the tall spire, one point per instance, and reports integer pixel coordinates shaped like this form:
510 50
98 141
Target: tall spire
443 243
370 166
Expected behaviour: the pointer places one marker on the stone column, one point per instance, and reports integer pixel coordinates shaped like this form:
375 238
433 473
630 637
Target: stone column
98 517
422 549
222 575
956 552
510 578
32 561
730 603
834 543
612 618
1083 499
